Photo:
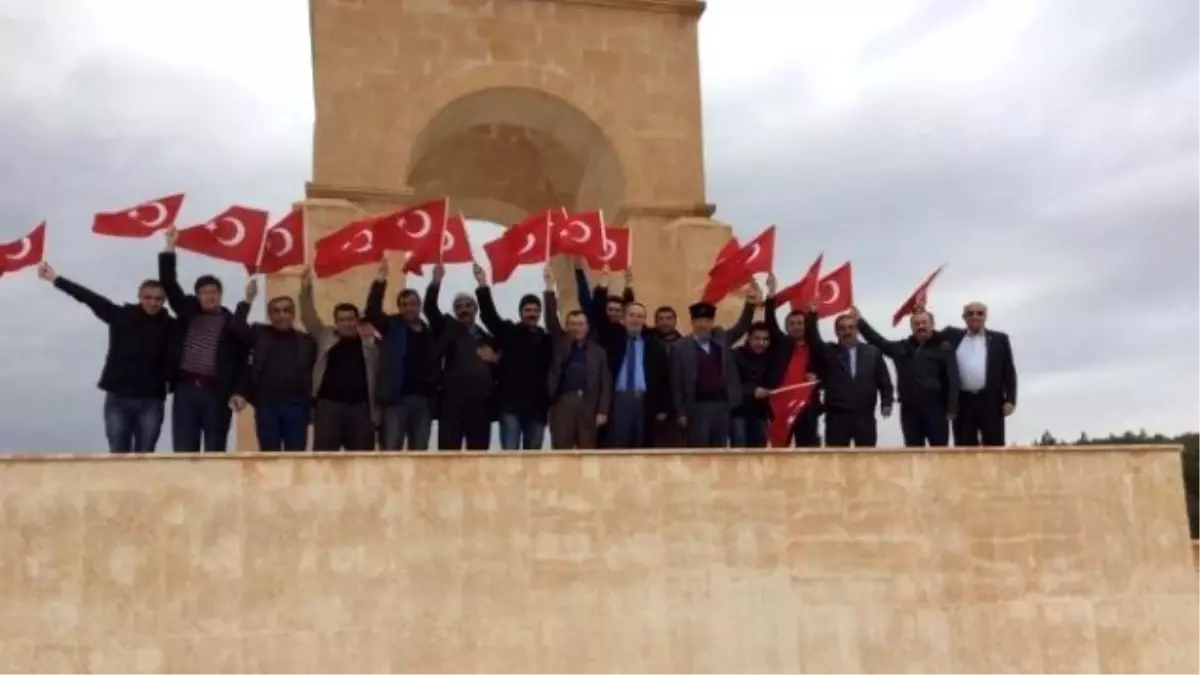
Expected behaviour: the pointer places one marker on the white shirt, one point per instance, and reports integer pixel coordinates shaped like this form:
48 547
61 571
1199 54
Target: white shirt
972 361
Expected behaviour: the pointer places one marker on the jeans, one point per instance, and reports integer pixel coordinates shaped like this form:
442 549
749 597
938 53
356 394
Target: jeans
518 432
748 432
409 421
281 426
199 413
132 424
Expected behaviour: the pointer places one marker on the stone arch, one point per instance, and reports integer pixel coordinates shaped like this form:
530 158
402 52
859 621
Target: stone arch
519 146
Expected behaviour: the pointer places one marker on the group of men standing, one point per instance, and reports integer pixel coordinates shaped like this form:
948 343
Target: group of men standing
596 377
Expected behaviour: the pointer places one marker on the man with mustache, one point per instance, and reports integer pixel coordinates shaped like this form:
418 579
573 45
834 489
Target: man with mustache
854 378
468 357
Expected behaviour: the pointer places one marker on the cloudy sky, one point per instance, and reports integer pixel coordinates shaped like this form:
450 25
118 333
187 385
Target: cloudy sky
1047 150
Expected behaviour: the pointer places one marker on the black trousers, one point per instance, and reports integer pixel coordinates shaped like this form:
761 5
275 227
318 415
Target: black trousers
843 427
342 426
924 424
464 423
980 420
804 430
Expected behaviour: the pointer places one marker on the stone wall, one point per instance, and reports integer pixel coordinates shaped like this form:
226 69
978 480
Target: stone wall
884 561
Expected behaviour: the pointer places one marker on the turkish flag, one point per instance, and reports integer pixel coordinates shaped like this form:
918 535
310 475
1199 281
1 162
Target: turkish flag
787 402
406 229
917 297
455 247
801 294
283 246
617 250
236 234
836 292
580 234
24 252
353 245
139 221
730 248
739 268
526 243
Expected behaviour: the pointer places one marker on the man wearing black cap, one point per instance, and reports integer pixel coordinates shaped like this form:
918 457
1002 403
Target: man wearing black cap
521 395
705 383
211 358
468 377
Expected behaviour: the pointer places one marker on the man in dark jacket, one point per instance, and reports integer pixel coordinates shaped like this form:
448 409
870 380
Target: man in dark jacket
926 379
666 434
988 378
468 357
579 382
854 379
211 359
789 350
137 366
409 367
525 348
278 382
748 428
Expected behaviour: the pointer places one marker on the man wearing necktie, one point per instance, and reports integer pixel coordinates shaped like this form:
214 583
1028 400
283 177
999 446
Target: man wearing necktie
856 379
641 395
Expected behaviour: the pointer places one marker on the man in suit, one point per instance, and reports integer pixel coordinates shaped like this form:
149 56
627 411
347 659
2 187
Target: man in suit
854 380
579 382
641 371
705 383
988 377
926 377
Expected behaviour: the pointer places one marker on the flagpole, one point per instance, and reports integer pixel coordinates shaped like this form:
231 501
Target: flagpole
791 387
463 219
262 247
548 232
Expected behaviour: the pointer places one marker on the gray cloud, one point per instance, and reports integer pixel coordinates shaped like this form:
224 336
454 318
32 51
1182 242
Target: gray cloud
1056 171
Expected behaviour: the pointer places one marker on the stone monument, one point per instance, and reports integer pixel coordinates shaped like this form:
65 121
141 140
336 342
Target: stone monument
508 106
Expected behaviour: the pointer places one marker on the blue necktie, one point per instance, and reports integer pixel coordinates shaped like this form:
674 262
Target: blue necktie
630 356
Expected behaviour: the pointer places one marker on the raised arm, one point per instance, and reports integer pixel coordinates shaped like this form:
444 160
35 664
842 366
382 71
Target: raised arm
585 293
627 295
553 324
308 306
739 329
883 381
374 309
240 325
487 304
104 309
890 348
168 276
812 335
772 320
433 312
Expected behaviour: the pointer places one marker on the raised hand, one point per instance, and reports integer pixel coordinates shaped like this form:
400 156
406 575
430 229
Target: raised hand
237 403
480 275
439 273
854 314
46 272
629 277
381 273
772 284
548 277
306 277
754 294
169 236
251 290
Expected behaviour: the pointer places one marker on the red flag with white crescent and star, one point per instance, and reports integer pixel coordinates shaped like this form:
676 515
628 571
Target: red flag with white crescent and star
354 245
835 293
918 297
408 228
526 243
235 234
617 250
787 402
139 221
801 294
739 269
730 248
455 247
24 252
580 234
283 245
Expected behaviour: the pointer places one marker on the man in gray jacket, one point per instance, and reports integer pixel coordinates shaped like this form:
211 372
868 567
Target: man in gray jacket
705 384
